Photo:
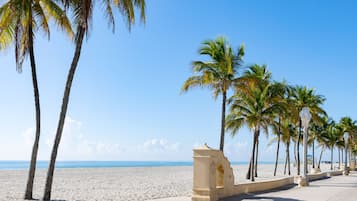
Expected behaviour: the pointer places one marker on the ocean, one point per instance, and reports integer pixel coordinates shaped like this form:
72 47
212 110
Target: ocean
18 165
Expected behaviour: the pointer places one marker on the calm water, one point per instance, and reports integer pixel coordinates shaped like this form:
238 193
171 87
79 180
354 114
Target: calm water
13 165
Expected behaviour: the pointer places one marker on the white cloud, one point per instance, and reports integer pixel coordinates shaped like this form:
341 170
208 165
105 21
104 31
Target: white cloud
76 145
159 145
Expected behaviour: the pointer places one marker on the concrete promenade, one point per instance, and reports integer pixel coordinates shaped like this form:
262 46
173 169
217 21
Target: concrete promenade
338 188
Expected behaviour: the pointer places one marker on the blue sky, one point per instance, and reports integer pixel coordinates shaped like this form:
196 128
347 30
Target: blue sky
125 102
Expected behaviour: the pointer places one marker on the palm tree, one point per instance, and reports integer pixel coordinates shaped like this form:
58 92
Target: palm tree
277 131
255 76
82 12
218 74
256 107
277 126
315 131
331 138
347 125
304 97
288 133
19 20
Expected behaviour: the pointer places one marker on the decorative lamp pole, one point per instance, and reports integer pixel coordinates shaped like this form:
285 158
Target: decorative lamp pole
345 137
305 117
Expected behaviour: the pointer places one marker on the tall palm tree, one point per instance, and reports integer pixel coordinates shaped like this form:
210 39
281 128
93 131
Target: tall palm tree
347 125
288 133
277 131
255 107
19 20
315 131
304 97
277 126
332 135
218 74
82 17
257 76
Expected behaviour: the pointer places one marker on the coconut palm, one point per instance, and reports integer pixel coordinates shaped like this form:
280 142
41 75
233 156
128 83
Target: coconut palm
258 76
277 131
321 137
332 135
347 125
82 18
304 97
277 123
315 131
288 133
218 74
255 107
19 21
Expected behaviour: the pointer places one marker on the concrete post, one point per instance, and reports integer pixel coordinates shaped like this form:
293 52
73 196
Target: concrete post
204 175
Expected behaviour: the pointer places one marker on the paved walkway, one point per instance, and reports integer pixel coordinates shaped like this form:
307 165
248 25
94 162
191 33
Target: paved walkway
338 188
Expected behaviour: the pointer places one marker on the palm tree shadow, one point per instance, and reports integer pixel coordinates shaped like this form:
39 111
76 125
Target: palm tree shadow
42 200
259 196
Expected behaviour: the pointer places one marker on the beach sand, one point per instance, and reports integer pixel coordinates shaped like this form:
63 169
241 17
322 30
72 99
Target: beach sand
126 184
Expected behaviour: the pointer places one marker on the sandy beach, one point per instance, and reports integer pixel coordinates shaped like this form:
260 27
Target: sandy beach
135 183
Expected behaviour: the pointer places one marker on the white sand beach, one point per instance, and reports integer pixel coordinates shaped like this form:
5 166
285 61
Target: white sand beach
136 184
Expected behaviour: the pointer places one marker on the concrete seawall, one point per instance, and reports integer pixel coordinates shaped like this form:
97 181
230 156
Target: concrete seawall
213 177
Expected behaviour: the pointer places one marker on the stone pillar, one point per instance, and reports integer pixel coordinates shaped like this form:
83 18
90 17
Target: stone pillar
204 175
212 175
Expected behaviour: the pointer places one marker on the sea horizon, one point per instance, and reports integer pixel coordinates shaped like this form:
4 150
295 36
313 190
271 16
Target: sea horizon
23 164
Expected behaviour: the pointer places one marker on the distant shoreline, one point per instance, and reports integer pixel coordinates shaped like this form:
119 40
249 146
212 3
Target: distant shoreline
19 165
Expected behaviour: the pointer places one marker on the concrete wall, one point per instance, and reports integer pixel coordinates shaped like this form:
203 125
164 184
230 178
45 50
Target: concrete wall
213 177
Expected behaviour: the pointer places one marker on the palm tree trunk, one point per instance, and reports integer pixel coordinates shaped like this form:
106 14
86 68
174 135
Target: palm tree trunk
277 154
288 150
295 143
249 168
339 158
313 153
298 148
250 174
331 168
32 169
72 70
318 165
256 157
223 120
285 164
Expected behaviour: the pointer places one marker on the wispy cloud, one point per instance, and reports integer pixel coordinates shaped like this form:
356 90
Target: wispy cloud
76 145
159 145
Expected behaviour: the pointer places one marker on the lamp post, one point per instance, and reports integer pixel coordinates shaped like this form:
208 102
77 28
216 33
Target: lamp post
345 137
305 117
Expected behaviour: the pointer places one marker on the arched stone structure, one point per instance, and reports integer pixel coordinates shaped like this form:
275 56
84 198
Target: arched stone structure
212 175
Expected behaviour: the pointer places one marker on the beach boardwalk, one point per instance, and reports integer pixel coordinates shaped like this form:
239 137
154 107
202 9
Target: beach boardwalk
338 188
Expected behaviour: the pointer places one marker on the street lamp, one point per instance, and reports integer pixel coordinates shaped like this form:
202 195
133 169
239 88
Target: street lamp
345 137
305 117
